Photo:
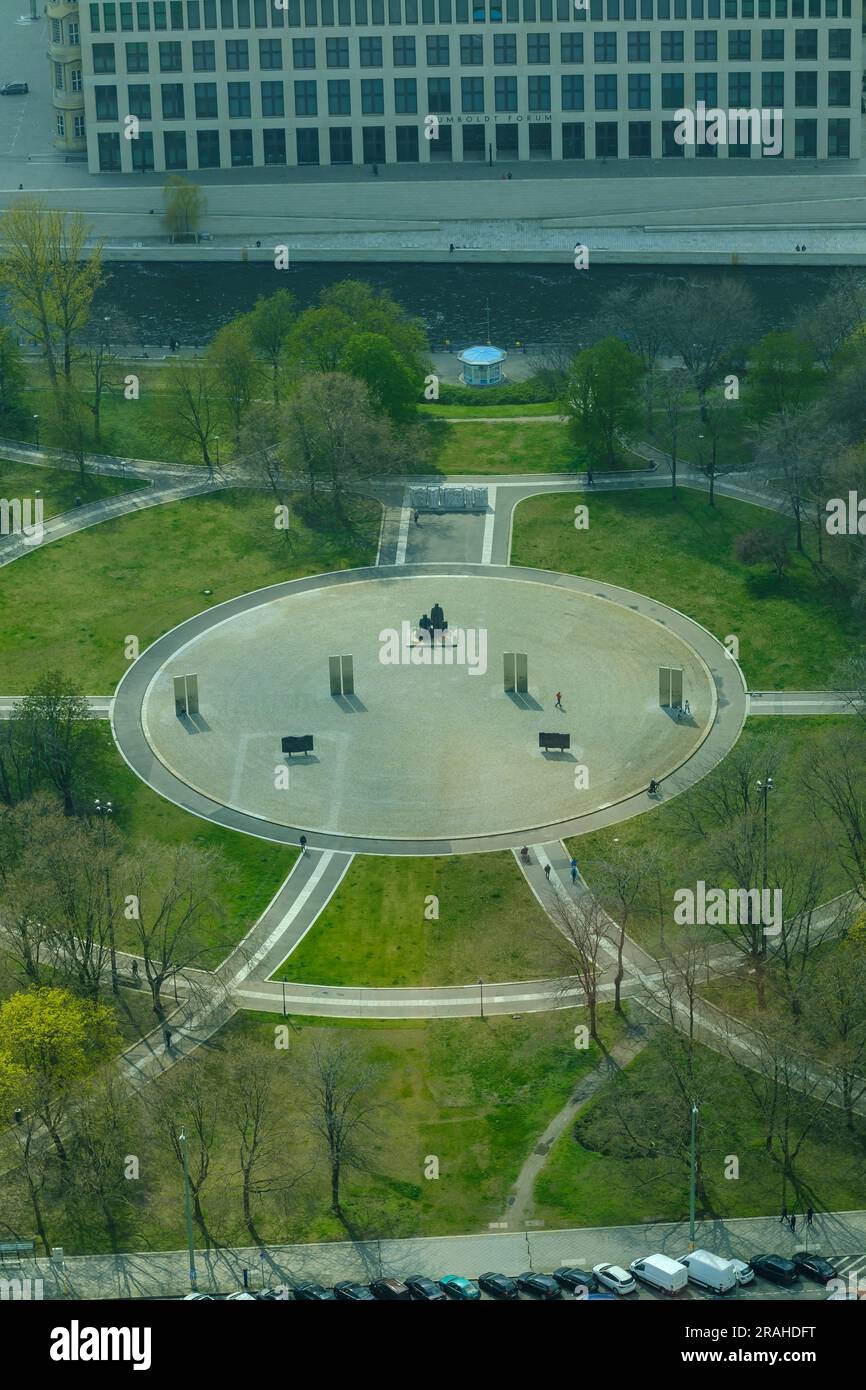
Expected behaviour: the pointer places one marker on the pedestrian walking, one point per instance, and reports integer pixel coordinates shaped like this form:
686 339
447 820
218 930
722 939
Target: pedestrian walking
654 787
135 972
166 1033
809 1216
303 843
574 871
547 872
590 481
451 249
375 170
687 707
784 1216
793 1223
417 518
559 700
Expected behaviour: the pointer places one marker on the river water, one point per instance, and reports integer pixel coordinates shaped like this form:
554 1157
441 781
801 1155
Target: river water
539 305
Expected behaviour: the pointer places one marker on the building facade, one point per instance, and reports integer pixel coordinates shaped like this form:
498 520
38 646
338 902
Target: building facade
207 84
67 79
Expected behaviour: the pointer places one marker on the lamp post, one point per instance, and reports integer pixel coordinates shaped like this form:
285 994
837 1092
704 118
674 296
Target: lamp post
36 427
481 988
187 1205
693 1175
103 810
764 789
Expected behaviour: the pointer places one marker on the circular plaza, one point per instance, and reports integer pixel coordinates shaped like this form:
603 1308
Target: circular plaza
421 747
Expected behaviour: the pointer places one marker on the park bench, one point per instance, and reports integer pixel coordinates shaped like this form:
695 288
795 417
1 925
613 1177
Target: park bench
16 1249
560 741
300 743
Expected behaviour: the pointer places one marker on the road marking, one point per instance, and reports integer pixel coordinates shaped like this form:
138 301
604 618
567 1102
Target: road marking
305 893
489 525
403 537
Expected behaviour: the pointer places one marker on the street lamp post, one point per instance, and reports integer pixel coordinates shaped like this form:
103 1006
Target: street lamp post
36 427
693 1166
103 810
764 789
481 988
187 1205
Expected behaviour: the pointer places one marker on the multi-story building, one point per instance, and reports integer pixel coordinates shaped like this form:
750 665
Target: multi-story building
67 82
206 84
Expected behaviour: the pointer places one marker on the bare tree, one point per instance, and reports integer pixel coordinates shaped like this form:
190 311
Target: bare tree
835 1012
705 322
188 407
338 1098
834 781
828 325
174 897
186 1101
582 943
252 1114
54 724
623 882
671 389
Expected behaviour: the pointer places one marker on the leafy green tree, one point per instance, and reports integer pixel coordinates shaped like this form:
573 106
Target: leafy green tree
56 730
270 324
235 367
783 375
185 205
50 1042
336 437
603 397
763 546
369 358
12 377
321 335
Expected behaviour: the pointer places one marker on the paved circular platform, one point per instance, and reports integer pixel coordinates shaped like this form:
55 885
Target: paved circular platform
430 755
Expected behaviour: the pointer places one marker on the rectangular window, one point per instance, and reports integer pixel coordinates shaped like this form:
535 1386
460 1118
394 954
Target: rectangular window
839 89
109 17
78 127
371 52
206 100
159 16
126 20
639 91
61 125
337 52
106 103
805 139
241 144
572 91
404 50
239 99
237 55
94 19
374 143
806 44
274 142
273 102
671 148
639 47
203 55
839 137
142 15
308 146
472 93
142 152
505 49
304 53
172 101
673 91
405 95
437 50
407 143
109 153
805 89
739 45
573 140
839 42
58 77
772 89
739 88
505 93
571 49
170 57
605 48
103 57
270 54
538 48
338 97
137 57
706 46
639 140
208 149
306 103
606 140
138 96
773 44
174 145
707 88
673 45
373 96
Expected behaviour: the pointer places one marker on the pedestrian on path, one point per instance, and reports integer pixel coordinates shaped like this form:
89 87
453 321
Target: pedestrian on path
687 707
547 872
417 518
166 1033
559 700
654 787
590 481
574 871
793 1223
809 1216
303 843
135 972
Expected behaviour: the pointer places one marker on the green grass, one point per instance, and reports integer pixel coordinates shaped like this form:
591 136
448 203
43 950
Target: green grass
374 931
58 487
682 553
795 743
585 1184
482 412
72 604
544 447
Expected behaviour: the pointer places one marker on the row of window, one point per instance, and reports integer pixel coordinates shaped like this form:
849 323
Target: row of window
78 126
437 50
238 98
610 142
159 15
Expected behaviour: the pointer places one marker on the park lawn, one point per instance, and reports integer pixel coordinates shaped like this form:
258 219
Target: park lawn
542 447
582 1186
72 605
493 412
374 932
681 552
793 743
475 1095
251 869
58 487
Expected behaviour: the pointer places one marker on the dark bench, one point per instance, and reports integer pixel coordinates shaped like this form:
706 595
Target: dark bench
560 741
17 1248
297 743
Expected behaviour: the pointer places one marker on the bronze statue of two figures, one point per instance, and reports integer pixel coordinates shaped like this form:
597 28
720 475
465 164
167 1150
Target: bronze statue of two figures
430 624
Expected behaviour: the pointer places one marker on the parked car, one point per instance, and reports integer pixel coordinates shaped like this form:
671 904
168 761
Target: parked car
197 1298
660 1272
497 1285
745 1274
457 1287
313 1293
574 1279
280 1293
424 1289
390 1289
775 1268
615 1278
538 1285
347 1291
711 1271
240 1297
14 89
815 1266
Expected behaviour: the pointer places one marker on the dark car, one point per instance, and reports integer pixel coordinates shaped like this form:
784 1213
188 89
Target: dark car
350 1292
497 1285
538 1285
815 1266
775 1268
459 1287
390 1289
574 1279
278 1294
14 89
422 1288
313 1293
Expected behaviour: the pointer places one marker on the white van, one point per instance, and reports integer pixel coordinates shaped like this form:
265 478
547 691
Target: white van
661 1273
710 1271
